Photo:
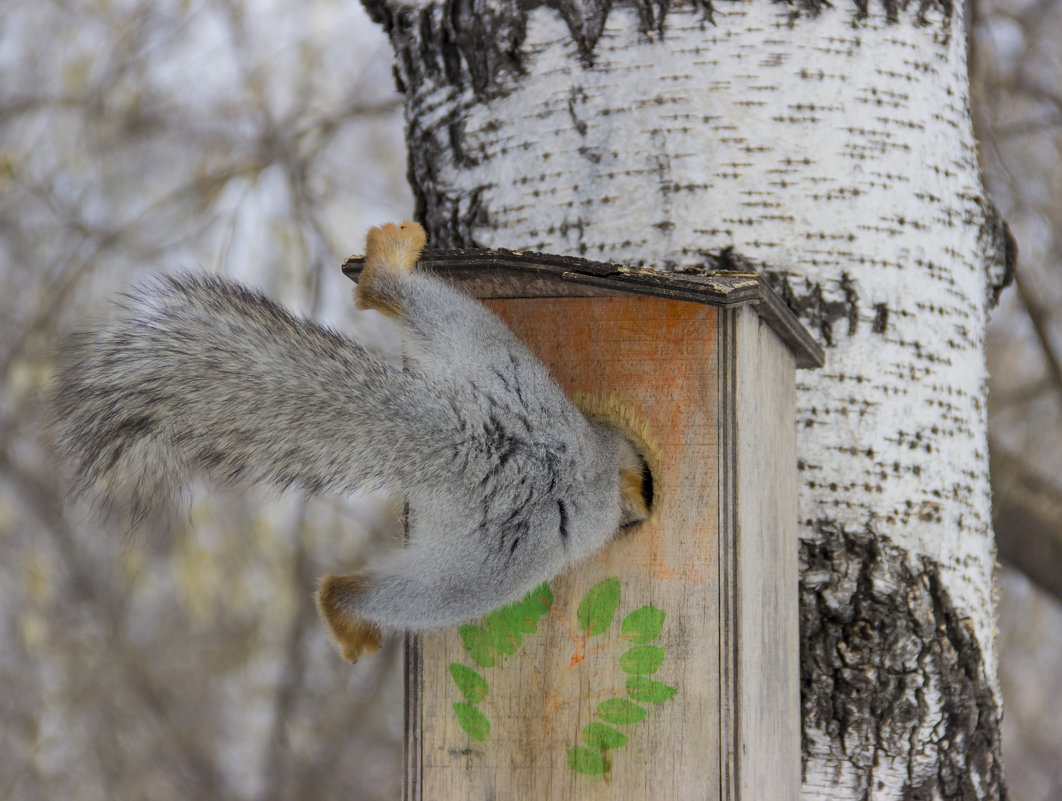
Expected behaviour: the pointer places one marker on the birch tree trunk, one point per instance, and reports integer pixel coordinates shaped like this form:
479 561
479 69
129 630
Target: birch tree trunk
834 146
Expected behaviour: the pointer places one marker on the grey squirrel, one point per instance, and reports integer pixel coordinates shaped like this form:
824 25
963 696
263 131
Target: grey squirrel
507 482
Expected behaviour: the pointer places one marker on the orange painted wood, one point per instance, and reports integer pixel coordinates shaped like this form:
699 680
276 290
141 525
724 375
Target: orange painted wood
660 357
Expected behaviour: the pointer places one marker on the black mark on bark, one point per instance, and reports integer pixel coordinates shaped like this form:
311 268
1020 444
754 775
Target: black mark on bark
728 259
818 307
891 670
851 302
881 318
476 42
585 21
576 98
893 8
450 221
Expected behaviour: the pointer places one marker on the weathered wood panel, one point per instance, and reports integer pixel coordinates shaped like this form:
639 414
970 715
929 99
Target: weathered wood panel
759 545
563 691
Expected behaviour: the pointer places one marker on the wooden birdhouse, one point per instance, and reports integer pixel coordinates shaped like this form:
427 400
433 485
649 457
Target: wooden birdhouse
665 667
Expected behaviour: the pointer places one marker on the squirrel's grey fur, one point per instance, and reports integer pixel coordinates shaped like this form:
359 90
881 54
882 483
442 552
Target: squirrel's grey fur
507 481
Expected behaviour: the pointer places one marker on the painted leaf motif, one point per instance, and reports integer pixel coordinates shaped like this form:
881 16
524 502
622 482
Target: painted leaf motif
648 691
539 600
598 607
620 711
602 737
477 643
503 629
506 627
642 659
584 760
502 641
643 625
515 618
472 721
472 686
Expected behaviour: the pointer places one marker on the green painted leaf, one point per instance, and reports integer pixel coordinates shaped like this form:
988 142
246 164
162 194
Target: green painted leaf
619 711
643 625
648 691
584 760
501 640
539 600
473 721
515 618
472 686
506 626
503 629
642 659
598 606
543 596
602 737
477 643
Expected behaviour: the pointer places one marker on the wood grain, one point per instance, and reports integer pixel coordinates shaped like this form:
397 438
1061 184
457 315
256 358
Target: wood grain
759 547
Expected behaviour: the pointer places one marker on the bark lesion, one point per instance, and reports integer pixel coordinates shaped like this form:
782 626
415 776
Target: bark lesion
822 306
891 671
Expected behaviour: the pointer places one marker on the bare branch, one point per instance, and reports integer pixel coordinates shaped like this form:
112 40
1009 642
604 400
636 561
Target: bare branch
1027 519
1041 322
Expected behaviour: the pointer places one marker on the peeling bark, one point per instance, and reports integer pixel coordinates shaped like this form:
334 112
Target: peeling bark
892 673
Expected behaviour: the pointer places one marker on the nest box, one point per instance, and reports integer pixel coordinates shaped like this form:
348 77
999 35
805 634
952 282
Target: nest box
665 667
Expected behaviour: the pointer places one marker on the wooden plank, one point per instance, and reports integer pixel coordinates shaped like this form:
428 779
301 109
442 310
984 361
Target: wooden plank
759 543
542 274
413 780
729 756
659 358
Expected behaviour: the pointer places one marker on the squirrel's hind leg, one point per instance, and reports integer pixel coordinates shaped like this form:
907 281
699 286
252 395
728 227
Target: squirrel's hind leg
431 583
335 597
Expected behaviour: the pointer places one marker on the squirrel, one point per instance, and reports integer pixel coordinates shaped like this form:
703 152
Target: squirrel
506 481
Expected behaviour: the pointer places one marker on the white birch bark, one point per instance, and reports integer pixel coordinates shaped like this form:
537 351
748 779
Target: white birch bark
836 148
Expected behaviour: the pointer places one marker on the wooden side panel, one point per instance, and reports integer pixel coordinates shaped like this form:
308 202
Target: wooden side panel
533 725
767 680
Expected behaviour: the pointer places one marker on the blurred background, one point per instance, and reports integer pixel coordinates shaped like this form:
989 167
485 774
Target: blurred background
150 135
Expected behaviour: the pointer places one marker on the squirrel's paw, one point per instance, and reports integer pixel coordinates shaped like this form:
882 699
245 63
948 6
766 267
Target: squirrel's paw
394 247
388 248
355 636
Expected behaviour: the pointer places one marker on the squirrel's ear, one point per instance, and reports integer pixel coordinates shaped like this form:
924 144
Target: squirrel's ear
636 493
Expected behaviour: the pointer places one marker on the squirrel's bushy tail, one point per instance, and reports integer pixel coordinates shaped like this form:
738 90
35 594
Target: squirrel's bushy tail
198 374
